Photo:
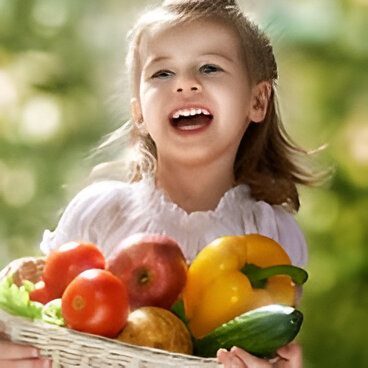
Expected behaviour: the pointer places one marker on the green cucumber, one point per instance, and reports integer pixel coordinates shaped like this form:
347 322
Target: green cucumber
260 331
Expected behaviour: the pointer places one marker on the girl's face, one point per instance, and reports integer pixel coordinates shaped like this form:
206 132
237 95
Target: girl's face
194 69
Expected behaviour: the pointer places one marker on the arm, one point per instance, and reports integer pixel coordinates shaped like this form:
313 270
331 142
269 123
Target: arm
16 356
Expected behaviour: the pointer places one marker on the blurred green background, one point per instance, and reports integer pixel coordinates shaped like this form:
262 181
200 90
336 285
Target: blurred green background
62 87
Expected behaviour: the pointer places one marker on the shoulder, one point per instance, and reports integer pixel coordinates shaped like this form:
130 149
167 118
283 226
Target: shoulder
99 193
279 224
102 188
88 213
95 198
241 213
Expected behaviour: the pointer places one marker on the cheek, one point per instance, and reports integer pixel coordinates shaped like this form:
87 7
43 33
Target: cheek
147 99
242 99
150 95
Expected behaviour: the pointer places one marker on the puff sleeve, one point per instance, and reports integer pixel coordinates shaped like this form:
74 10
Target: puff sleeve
86 218
280 225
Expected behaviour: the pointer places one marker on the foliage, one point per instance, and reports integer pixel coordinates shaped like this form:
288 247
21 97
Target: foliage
60 61
15 300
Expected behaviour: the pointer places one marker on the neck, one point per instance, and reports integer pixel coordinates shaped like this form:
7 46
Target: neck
194 189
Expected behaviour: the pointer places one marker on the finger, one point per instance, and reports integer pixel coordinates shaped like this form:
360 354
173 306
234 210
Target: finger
224 357
275 359
287 350
291 356
26 363
9 350
221 354
236 362
249 359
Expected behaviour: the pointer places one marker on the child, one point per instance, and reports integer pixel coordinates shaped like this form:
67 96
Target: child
213 157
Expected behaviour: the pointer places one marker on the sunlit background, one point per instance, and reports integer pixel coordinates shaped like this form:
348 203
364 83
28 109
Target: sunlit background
62 87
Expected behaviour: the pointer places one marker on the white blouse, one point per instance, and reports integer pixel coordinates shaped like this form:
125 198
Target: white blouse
106 212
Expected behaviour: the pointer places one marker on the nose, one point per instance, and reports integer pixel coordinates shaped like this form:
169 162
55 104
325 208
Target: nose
194 88
188 86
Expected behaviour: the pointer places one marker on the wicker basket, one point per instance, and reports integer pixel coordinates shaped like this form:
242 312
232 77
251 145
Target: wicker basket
68 348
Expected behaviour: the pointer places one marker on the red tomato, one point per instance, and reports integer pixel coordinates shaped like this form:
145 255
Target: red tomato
65 263
42 293
96 301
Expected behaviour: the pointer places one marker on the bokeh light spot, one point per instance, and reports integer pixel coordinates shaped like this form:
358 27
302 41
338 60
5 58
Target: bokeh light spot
8 91
358 144
41 119
351 148
52 14
320 210
18 186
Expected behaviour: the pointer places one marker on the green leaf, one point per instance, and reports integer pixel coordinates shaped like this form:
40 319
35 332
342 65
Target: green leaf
178 309
15 300
51 313
28 285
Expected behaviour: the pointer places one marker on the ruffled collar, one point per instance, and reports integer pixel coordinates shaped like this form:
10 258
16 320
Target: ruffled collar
232 197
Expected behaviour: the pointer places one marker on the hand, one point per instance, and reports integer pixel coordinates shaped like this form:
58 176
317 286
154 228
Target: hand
21 356
289 356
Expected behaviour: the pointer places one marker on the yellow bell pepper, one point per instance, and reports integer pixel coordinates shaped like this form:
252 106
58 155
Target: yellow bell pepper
235 274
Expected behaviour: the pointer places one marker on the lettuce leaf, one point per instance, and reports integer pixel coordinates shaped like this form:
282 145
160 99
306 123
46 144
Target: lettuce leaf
15 299
51 313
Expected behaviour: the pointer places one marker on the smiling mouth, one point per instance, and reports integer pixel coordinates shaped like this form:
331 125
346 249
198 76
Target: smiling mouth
191 123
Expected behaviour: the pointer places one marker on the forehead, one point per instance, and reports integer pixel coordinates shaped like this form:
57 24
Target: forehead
197 37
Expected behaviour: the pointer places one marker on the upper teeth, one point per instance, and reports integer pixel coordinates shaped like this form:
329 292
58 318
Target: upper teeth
190 112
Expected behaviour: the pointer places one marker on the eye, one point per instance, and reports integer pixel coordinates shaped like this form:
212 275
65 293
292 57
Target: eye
162 74
210 68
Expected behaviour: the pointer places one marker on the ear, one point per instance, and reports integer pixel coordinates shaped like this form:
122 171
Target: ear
138 117
136 111
259 101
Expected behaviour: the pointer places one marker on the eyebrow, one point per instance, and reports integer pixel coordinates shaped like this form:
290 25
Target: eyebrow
219 55
157 59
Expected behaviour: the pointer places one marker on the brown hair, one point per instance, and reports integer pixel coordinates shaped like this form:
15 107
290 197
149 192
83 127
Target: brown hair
267 159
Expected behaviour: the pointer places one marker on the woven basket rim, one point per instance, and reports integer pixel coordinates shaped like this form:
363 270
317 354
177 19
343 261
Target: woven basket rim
67 331
11 324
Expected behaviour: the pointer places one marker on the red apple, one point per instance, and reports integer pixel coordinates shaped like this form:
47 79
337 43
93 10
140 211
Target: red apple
152 266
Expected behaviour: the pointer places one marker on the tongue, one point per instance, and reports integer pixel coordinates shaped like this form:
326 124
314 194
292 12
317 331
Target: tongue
194 122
